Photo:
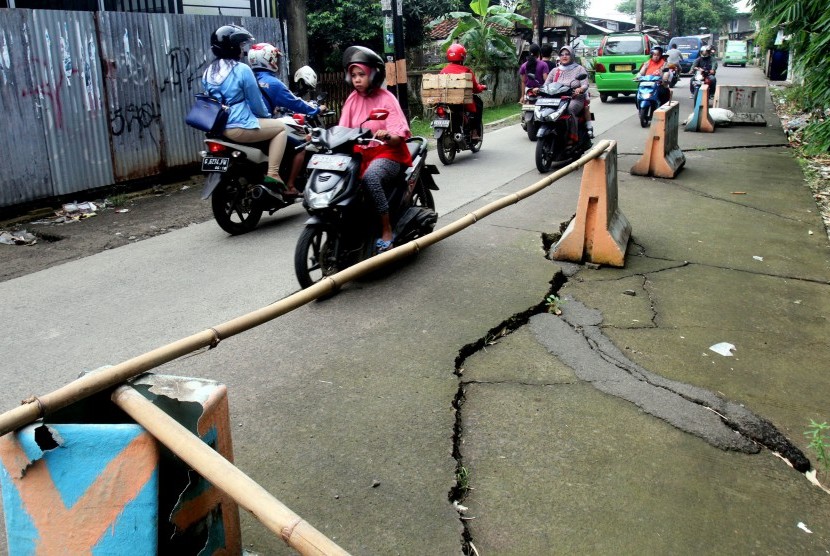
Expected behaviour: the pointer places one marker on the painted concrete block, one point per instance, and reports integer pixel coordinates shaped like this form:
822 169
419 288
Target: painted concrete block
202 518
80 489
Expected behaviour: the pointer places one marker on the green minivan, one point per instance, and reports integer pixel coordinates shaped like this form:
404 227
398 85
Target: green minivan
735 53
619 57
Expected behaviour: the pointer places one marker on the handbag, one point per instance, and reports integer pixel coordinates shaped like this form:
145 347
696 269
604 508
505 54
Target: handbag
208 114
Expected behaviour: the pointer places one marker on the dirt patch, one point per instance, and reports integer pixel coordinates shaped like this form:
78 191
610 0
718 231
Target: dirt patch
137 216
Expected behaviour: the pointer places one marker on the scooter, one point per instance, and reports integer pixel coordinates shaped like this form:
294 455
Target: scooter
343 223
551 113
528 109
648 97
700 77
453 132
234 174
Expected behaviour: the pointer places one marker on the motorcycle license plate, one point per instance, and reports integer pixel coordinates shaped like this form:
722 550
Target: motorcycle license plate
215 164
547 102
329 162
440 123
623 67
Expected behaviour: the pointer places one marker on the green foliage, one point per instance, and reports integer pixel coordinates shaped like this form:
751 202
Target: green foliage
691 14
819 435
808 23
554 304
486 47
570 7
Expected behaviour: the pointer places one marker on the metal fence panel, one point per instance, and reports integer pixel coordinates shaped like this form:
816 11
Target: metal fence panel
67 80
25 175
132 94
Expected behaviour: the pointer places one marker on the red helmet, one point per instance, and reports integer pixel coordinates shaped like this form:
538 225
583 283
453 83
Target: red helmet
456 53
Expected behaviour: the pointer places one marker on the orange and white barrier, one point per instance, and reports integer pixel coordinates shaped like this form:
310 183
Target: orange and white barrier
662 156
599 232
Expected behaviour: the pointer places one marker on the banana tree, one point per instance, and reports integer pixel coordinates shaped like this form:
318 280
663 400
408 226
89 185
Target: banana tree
481 34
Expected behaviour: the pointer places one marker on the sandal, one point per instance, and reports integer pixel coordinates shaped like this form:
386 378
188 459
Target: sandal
382 245
275 184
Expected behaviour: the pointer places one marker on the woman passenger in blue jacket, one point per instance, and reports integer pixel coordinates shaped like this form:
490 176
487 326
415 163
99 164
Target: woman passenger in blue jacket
232 82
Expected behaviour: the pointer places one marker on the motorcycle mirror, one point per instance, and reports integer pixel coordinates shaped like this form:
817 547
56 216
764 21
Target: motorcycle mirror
531 76
582 76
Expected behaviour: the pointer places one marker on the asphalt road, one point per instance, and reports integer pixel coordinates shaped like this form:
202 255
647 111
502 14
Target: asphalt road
123 302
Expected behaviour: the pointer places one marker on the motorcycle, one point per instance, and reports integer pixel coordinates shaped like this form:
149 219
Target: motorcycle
529 124
648 97
453 132
700 77
235 172
551 113
343 223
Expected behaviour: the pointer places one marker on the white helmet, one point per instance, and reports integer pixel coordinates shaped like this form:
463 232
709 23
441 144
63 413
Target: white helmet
704 50
264 56
306 74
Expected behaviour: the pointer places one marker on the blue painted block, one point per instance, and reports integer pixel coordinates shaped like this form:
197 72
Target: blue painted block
70 489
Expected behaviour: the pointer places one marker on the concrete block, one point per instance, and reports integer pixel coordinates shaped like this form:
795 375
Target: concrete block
662 156
80 489
701 120
599 232
748 103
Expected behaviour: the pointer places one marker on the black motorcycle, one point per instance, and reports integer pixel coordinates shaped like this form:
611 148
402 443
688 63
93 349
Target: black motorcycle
234 174
551 115
454 132
344 223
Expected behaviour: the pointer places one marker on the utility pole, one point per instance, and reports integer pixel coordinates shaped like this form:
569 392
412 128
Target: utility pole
638 17
395 52
541 22
295 16
673 20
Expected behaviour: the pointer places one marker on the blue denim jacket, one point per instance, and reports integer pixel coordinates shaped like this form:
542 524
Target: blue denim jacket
234 84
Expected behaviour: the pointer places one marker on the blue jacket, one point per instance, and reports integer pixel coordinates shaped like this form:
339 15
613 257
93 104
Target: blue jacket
234 84
277 95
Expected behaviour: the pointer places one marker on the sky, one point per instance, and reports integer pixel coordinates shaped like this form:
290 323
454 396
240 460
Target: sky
606 8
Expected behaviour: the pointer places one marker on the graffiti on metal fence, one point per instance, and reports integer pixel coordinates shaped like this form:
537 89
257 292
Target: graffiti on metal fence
181 71
132 117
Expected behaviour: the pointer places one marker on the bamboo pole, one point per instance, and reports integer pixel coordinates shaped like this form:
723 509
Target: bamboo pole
37 407
295 531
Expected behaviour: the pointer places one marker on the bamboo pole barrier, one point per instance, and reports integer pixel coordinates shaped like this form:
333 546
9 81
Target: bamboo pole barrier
295 531
36 407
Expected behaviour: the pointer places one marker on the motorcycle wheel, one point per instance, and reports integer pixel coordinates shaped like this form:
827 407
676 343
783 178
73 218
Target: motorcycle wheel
532 128
644 116
446 148
315 256
476 146
422 196
234 209
545 153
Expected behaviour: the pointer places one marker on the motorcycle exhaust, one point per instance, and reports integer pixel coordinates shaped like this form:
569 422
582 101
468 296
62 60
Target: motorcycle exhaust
260 191
458 137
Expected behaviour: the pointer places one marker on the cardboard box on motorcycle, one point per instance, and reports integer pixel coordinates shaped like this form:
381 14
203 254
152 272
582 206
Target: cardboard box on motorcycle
450 88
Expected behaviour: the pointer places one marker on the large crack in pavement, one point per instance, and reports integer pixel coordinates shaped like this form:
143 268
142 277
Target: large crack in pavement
577 340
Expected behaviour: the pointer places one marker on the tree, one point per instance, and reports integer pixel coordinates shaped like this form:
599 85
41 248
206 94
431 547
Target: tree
570 7
329 36
808 24
479 32
691 14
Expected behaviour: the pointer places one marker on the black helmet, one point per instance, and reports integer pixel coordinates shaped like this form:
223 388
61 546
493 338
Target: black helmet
367 57
226 42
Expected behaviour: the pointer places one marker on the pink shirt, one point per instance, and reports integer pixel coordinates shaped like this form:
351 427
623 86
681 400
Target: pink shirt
357 108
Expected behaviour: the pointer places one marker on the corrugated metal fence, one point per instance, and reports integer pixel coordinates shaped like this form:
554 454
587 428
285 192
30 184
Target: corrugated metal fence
92 99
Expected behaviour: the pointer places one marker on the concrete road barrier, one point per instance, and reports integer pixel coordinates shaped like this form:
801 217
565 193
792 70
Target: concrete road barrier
662 156
701 120
599 232
748 103
80 489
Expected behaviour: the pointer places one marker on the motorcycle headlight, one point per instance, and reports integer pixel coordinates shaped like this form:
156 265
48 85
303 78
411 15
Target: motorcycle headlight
646 95
316 200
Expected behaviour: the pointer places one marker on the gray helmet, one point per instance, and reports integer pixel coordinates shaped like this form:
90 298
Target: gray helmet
228 40
367 57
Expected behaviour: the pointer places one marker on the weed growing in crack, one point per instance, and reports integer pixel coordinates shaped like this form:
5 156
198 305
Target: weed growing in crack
554 304
819 435
462 482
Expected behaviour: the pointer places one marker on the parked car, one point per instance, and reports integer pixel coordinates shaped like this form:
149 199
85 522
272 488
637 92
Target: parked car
735 53
690 47
618 59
